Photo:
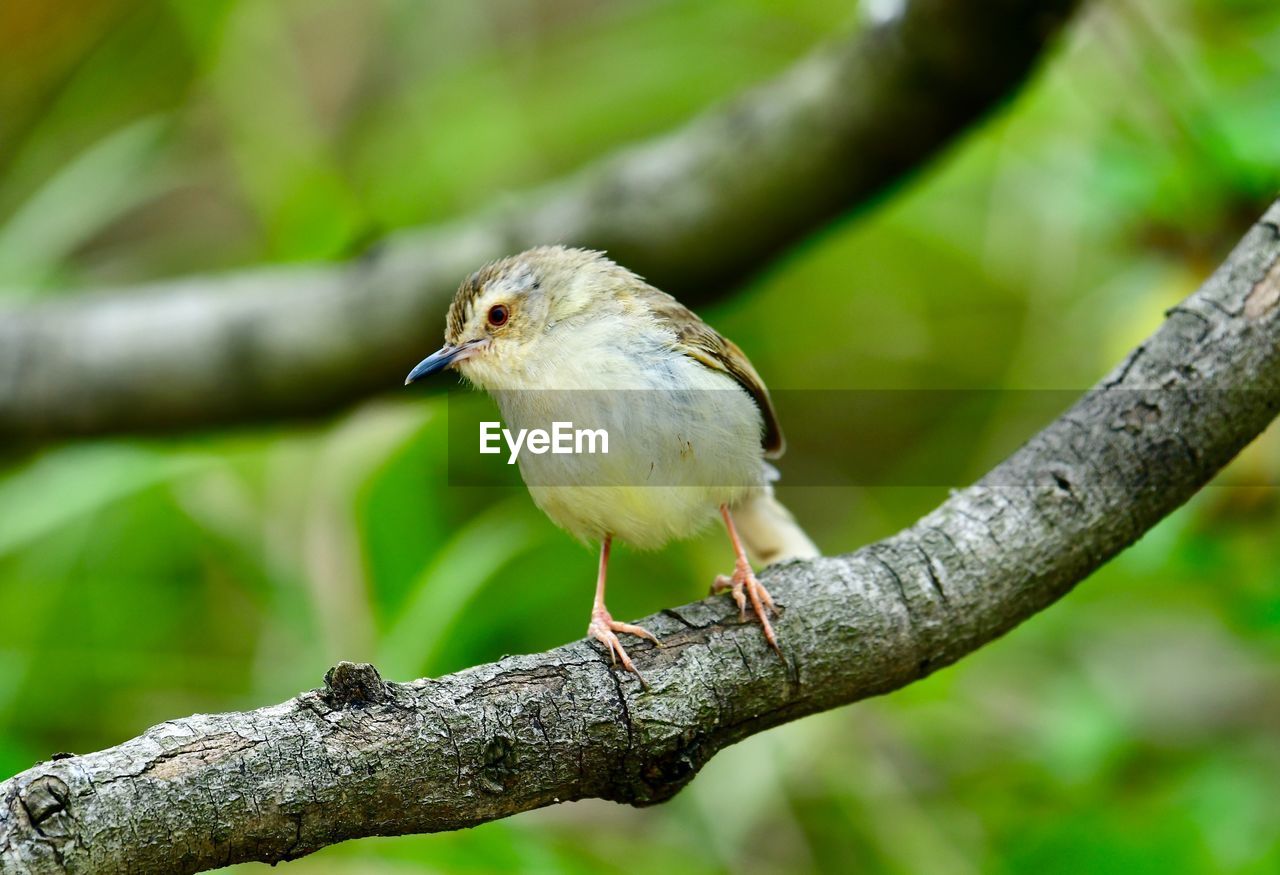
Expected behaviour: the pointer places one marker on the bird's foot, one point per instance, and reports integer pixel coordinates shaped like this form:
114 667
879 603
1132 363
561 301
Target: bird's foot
604 628
745 586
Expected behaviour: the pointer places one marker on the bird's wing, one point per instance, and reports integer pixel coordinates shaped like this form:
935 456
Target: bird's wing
701 342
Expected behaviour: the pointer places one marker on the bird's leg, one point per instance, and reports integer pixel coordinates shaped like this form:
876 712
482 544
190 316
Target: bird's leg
744 585
603 627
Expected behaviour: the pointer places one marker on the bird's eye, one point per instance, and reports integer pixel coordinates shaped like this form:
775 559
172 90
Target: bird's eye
498 315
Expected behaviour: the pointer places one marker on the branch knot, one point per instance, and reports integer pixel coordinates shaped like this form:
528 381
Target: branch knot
44 798
354 684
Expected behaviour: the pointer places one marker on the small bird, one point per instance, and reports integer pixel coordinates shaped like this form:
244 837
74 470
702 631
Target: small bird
563 335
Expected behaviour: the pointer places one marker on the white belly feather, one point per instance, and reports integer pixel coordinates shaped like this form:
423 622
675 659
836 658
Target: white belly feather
683 439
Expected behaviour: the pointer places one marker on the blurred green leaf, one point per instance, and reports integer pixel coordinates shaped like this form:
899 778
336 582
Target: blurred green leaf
468 561
61 486
89 193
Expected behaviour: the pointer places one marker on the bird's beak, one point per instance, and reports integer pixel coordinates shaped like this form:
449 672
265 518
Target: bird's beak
445 357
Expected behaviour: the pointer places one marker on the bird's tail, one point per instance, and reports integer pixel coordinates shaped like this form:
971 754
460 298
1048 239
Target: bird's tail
769 531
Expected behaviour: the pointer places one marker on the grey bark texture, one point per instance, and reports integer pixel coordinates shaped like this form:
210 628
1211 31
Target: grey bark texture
692 211
365 757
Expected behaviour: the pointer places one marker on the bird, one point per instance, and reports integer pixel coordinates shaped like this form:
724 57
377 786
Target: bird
557 334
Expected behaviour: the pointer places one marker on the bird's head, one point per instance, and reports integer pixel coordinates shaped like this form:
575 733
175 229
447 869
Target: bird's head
514 320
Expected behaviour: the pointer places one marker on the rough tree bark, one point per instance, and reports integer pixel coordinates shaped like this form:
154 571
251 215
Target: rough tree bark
692 211
365 757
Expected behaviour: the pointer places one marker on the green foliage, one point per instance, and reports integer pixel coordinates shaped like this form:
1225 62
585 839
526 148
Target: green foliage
1131 728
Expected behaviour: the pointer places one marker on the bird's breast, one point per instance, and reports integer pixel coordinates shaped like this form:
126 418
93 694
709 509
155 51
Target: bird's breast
681 440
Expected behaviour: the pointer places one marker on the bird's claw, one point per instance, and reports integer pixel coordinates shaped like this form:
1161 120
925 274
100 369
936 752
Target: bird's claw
604 628
744 585
723 582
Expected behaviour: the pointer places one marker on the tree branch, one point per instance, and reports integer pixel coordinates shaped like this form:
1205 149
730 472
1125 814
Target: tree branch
692 211
362 757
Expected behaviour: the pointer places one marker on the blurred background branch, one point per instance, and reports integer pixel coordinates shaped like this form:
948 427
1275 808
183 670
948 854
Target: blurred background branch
363 757
693 211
